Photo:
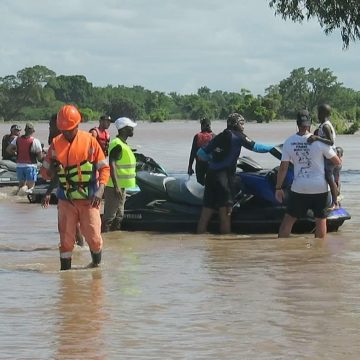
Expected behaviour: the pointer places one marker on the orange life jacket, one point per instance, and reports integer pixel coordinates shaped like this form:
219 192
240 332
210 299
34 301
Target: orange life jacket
203 138
103 137
79 160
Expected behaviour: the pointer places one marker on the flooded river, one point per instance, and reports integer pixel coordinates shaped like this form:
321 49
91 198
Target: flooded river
181 296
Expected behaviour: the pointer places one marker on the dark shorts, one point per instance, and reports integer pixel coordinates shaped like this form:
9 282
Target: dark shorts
299 204
218 189
200 171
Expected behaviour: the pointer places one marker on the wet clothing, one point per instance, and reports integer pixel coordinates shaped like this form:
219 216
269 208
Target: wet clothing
298 204
82 166
225 149
103 137
219 187
223 152
308 161
200 139
70 213
309 189
113 209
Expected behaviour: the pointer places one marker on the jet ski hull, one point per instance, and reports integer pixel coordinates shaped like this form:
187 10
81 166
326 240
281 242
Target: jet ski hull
164 216
8 174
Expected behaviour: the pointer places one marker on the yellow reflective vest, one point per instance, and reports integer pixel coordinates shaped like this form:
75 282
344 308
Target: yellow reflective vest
125 166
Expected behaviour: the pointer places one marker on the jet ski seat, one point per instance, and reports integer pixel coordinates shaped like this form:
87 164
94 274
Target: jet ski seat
177 189
8 165
153 183
181 190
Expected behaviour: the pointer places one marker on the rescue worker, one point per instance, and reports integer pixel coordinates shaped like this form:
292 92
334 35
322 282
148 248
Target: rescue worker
122 175
76 157
201 139
53 132
222 153
101 132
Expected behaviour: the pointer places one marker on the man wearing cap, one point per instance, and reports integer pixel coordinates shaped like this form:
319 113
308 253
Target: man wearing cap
6 141
28 151
101 132
200 139
309 189
122 175
222 153
76 158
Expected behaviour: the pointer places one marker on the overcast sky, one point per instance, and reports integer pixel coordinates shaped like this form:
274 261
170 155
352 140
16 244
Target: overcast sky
168 45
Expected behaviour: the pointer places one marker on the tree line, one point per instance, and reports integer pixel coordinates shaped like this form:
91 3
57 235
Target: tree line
38 92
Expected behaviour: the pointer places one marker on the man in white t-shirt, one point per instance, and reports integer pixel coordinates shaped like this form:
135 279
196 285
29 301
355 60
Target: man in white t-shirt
309 189
28 151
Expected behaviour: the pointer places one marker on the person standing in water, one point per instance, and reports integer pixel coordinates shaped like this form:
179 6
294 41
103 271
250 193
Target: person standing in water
222 152
53 132
326 134
76 157
101 132
28 151
201 139
122 175
309 189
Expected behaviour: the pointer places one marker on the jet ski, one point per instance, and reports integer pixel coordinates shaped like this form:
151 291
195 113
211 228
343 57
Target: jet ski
173 203
143 163
8 174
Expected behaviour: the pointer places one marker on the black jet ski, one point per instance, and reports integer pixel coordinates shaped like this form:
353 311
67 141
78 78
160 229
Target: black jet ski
143 163
8 174
173 203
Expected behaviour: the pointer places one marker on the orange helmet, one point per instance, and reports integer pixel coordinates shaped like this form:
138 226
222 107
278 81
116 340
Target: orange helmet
68 117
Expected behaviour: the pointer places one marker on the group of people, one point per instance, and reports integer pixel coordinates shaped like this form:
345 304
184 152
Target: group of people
77 161
26 151
314 157
87 167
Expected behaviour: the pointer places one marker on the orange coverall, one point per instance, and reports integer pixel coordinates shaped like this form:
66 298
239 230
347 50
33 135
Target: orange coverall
84 147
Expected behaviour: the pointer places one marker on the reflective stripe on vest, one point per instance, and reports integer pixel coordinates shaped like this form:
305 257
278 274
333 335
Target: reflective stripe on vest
74 180
125 166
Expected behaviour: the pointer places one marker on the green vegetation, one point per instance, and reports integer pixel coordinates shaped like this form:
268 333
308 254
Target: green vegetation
331 15
37 92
